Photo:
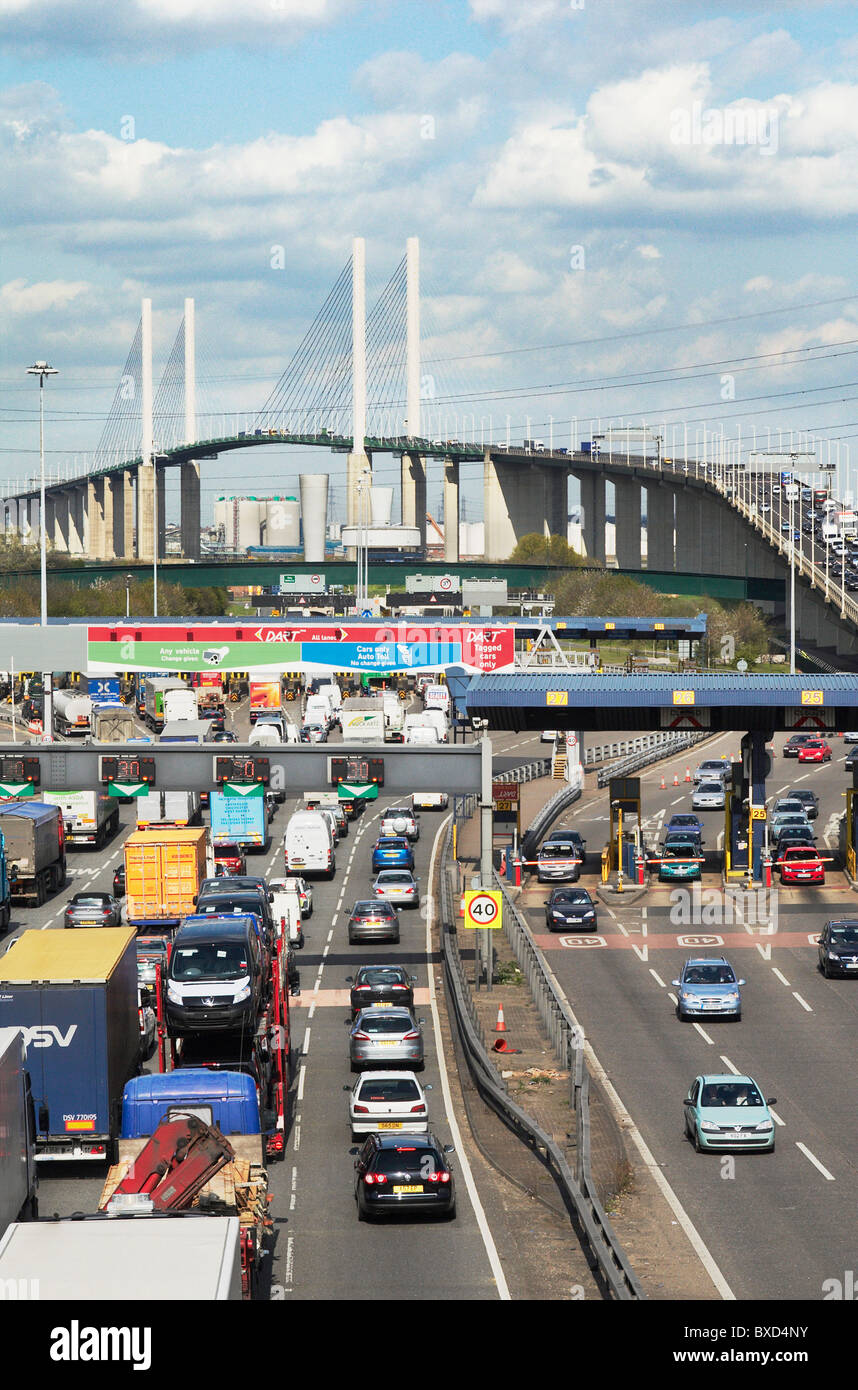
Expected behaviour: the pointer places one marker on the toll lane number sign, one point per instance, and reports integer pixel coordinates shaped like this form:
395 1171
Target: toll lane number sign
482 908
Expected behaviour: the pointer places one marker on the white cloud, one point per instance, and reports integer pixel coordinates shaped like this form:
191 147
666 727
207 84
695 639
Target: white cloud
649 253
149 28
19 299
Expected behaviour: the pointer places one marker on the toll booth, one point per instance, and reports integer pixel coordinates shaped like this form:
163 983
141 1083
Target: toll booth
745 809
849 827
506 821
624 798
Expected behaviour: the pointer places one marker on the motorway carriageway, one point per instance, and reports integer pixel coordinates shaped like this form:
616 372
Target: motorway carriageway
775 1225
320 1251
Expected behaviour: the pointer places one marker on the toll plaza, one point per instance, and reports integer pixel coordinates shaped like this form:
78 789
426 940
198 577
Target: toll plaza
754 706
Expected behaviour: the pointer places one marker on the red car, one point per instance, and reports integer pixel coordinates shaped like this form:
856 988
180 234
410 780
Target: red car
815 751
800 864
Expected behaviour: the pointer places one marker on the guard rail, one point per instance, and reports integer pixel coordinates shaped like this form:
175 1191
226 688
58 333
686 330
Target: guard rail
605 1254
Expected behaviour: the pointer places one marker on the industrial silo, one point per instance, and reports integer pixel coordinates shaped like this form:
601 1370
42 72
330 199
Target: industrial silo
314 515
282 522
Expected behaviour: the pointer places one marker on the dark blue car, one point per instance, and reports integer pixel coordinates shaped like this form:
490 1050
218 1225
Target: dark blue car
392 852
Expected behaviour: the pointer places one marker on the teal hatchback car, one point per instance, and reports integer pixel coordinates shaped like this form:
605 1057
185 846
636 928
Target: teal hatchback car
680 860
728 1112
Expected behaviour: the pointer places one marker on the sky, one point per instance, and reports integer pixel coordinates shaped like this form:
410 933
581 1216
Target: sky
627 211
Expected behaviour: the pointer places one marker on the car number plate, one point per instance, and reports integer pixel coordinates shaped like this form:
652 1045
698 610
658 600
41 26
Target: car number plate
418 1187
89 921
383 1004
390 1124
852 965
387 1042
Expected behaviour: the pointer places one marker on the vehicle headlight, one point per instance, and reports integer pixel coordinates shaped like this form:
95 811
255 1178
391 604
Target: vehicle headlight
731 997
242 994
688 996
832 955
707 1124
591 913
173 994
764 1125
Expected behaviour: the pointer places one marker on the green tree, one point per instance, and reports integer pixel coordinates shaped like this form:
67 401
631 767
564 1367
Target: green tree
534 548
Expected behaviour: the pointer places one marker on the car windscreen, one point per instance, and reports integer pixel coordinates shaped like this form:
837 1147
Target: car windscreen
565 899
90 900
711 787
398 1088
245 902
728 1094
386 1023
709 975
372 910
388 877
380 975
557 850
209 960
800 853
845 936
681 851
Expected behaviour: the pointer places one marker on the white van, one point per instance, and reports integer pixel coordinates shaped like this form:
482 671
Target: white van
308 844
265 735
423 734
318 711
437 697
436 719
332 694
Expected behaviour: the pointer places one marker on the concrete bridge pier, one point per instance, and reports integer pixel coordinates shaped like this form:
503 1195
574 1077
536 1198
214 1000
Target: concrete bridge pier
689 531
122 510
77 520
659 527
593 504
451 510
99 510
61 535
413 493
160 483
627 519
519 501
190 509
145 517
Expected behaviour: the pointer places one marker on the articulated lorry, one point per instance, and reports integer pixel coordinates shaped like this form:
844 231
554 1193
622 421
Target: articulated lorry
238 820
99 1258
72 713
265 697
72 997
155 688
163 871
18 1175
34 836
113 723
362 721
89 818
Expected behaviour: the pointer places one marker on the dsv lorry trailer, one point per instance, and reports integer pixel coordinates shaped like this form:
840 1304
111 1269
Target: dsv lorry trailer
72 996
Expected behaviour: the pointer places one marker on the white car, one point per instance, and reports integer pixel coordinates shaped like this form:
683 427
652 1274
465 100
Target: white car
400 820
388 1100
548 736
850 738
429 801
708 796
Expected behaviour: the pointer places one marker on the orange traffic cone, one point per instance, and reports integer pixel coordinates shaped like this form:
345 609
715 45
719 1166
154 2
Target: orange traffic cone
500 1026
501 1045
676 779
663 787
688 774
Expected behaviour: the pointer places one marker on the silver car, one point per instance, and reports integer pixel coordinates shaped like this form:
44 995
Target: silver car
711 768
379 1037
397 886
708 796
382 1100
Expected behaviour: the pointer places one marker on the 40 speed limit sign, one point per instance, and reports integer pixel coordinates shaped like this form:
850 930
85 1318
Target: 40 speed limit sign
482 908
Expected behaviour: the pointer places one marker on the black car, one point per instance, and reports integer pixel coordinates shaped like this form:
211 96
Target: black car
222 736
373 920
226 900
808 799
119 882
795 742
570 907
381 984
793 835
401 1173
838 948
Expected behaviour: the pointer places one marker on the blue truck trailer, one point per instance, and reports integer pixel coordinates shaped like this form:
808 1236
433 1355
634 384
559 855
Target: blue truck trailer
238 820
5 890
73 998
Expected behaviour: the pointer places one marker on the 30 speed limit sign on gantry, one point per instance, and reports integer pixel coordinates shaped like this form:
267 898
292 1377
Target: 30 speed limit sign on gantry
482 908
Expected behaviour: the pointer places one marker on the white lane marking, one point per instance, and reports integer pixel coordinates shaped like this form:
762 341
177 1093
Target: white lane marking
729 1065
782 978
305 1046
470 1184
704 1035
301 1074
765 951
622 928
655 975
678 801
311 1010
829 1177
296 1137
611 913
331 934
803 1002
777 1119
642 952
672 997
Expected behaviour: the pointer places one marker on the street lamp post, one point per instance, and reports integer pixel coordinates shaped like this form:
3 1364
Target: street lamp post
128 581
41 370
